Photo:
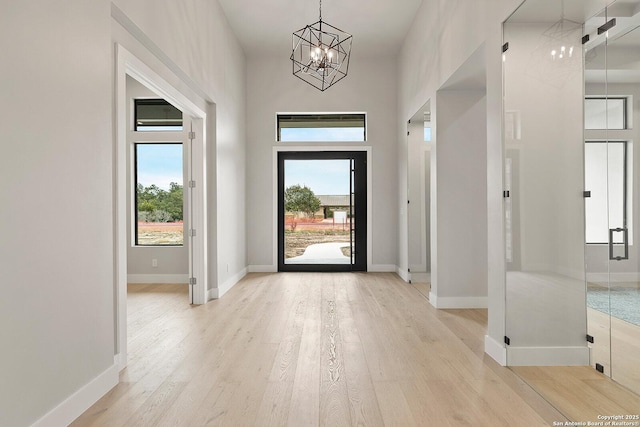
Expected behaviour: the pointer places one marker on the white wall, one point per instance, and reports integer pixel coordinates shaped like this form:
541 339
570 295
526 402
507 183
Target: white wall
56 229
369 87
460 200
56 221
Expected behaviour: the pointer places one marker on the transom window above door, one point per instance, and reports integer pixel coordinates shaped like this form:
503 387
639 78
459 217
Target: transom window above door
321 127
152 115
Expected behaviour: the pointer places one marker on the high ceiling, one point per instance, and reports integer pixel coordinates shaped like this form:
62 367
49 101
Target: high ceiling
265 26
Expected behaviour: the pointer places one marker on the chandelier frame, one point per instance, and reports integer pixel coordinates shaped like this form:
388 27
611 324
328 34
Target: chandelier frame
321 54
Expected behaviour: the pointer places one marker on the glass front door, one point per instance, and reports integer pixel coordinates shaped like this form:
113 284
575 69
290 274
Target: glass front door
322 211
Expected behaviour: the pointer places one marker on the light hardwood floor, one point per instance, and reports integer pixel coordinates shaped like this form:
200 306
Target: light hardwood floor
311 349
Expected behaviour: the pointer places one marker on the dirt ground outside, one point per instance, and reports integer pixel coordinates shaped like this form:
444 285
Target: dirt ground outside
160 233
306 233
309 232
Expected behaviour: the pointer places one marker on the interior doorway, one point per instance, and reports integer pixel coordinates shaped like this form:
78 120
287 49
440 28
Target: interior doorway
322 211
158 205
193 144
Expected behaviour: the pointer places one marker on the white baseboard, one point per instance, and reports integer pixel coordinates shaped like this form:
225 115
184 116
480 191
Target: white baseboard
458 302
381 268
215 293
81 400
157 278
404 275
262 269
547 356
496 350
420 277
613 277
120 359
433 299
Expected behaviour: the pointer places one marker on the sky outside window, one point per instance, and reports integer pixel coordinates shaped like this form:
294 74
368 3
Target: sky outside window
326 177
321 134
159 164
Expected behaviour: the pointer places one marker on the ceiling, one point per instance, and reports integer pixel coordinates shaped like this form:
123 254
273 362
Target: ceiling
579 11
266 26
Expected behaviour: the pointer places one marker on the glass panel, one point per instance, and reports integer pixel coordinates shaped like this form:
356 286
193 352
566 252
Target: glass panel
318 213
544 210
159 197
605 113
597 206
623 55
156 115
321 127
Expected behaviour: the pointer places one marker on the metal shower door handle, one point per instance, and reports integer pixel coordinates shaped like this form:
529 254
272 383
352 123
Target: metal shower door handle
625 240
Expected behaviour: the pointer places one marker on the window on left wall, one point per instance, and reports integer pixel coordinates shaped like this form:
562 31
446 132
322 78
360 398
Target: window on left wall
159 199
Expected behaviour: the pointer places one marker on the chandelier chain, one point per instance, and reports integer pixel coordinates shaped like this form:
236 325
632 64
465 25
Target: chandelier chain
320 10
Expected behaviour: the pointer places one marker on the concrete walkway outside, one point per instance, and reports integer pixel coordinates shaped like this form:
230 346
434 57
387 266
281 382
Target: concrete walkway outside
322 253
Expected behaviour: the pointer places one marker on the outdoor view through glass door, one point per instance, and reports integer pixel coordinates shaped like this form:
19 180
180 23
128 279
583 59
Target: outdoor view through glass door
322 211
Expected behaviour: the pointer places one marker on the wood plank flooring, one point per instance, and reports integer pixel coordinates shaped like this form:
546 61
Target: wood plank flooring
581 392
311 349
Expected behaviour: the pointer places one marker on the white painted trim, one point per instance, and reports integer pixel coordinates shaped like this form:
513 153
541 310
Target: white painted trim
215 293
404 275
547 356
73 406
458 302
420 277
418 267
382 268
433 298
158 278
262 269
613 277
312 147
120 205
120 360
198 267
496 350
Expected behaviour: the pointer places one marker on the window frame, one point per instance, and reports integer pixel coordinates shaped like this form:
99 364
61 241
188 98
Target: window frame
278 127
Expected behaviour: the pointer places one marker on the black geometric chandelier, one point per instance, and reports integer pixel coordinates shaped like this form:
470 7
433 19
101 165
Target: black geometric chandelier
321 54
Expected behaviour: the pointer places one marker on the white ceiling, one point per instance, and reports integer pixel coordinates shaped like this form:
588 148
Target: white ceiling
265 26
